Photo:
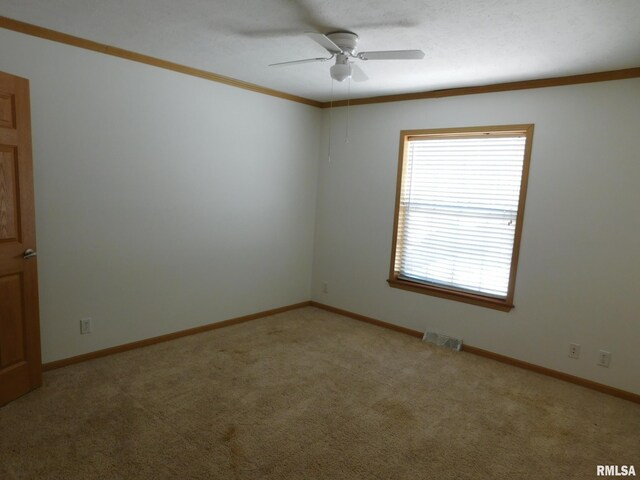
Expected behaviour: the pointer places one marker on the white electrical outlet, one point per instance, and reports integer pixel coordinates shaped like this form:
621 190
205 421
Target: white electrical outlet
574 350
604 358
325 287
85 326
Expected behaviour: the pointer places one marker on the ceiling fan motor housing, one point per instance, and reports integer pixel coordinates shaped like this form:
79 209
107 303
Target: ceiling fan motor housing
347 41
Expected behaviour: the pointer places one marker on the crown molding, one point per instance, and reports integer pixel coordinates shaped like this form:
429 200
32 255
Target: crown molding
55 36
496 87
60 37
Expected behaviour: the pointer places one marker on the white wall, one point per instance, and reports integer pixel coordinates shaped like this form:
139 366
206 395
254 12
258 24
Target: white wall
163 201
579 270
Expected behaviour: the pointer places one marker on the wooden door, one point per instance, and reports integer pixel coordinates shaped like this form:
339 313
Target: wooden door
20 364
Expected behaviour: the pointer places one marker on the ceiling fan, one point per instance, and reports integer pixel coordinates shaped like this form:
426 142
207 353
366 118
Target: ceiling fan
343 46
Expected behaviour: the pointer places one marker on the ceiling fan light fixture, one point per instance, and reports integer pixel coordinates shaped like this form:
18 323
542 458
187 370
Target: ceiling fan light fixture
341 71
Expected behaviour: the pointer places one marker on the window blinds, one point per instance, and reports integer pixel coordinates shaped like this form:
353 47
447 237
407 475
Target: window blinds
458 212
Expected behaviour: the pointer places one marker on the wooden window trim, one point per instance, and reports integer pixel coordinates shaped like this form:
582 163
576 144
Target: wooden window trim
448 293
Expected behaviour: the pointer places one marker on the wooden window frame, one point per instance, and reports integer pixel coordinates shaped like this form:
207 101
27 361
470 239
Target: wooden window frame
453 293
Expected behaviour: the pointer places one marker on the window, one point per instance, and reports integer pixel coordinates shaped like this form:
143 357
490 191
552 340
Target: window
459 210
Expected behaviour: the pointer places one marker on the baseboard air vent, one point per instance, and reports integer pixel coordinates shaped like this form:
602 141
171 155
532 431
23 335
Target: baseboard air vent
443 340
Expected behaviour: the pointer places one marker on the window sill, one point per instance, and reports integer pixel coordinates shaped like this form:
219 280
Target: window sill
471 298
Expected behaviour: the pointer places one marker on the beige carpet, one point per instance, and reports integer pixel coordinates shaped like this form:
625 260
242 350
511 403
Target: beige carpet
310 395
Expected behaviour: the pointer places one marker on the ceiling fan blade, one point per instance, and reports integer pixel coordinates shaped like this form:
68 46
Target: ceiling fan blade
306 60
392 55
358 74
324 41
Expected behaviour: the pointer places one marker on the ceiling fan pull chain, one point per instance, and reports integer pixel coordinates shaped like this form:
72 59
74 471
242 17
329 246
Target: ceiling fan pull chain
346 133
330 117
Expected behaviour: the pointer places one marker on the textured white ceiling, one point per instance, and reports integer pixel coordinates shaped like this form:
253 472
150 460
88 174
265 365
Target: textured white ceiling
467 42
